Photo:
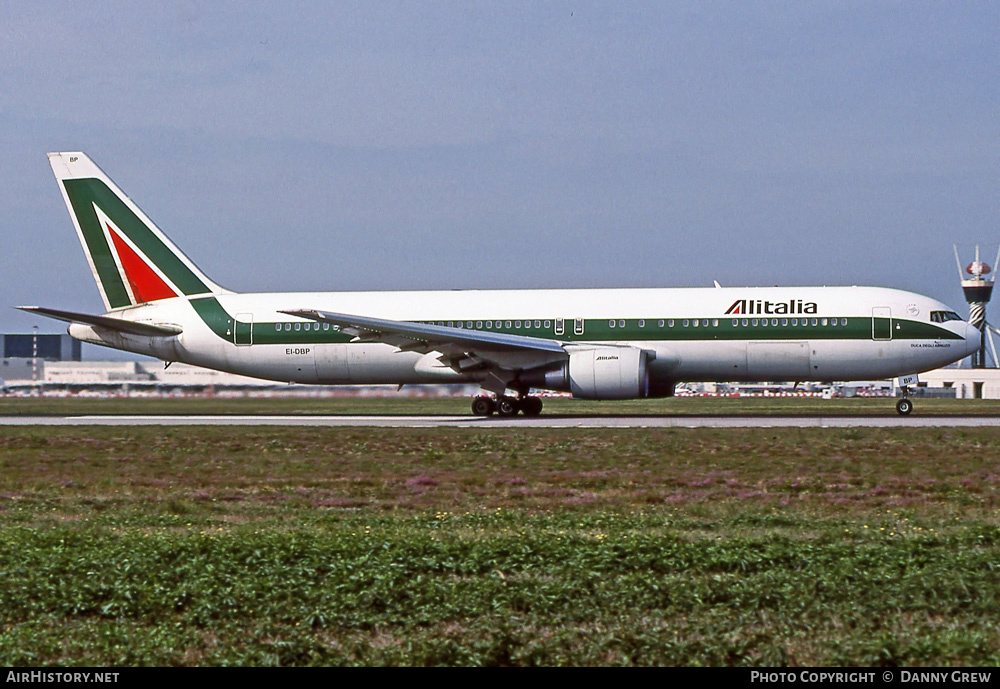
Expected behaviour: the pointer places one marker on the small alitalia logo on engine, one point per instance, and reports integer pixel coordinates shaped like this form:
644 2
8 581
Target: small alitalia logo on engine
759 306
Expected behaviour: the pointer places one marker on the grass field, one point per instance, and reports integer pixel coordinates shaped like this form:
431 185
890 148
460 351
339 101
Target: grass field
266 546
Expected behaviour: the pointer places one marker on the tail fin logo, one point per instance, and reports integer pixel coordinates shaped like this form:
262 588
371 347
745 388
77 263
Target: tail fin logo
132 261
142 280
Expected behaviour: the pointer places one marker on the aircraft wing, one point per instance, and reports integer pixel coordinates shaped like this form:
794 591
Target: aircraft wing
460 348
109 322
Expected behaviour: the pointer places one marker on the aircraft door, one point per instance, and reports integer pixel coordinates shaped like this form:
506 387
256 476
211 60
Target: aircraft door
881 323
243 329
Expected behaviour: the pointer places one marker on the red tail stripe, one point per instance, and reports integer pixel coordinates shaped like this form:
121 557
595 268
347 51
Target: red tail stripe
146 284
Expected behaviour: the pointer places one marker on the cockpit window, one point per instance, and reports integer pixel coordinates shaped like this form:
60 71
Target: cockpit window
944 316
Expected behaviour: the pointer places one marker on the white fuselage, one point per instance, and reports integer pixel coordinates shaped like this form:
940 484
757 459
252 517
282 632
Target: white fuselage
690 334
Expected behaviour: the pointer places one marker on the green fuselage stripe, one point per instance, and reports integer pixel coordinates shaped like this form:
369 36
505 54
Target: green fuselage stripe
600 330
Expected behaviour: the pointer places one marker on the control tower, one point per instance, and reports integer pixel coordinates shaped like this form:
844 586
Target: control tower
978 289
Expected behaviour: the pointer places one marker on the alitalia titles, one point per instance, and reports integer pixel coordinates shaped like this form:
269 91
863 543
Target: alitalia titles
759 307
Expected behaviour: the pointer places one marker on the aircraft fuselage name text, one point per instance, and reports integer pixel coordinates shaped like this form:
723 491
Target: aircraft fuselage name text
760 306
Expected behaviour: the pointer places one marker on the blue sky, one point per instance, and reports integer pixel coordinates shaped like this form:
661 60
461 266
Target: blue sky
360 146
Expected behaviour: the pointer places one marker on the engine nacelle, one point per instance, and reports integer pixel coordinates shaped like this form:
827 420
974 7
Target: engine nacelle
608 373
604 373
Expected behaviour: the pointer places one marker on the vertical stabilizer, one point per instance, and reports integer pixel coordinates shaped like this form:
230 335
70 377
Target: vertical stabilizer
132 261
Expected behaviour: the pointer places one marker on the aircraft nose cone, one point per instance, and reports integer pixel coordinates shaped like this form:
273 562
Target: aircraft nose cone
973 339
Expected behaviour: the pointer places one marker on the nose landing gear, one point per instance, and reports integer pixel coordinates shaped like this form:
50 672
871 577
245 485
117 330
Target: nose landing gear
905 405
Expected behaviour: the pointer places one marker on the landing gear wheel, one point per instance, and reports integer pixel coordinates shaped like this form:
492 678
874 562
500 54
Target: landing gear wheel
531 406
904 406
483 406
508 406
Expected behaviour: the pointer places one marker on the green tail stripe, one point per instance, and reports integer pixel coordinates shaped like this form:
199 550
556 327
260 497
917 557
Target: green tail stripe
83 194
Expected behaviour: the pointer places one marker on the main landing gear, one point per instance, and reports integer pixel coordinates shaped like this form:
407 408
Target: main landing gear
483 405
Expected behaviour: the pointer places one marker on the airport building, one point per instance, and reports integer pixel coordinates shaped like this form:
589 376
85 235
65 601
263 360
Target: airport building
968 383
24 355
49 347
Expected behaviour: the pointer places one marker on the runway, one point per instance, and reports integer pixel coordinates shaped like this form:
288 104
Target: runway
553 421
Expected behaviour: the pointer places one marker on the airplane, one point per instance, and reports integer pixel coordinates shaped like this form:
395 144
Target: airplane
598 344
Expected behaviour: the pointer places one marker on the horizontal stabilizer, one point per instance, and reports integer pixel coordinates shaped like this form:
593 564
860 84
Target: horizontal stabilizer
109 322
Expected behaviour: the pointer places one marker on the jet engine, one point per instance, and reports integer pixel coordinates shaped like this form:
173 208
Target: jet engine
603 373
